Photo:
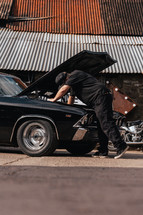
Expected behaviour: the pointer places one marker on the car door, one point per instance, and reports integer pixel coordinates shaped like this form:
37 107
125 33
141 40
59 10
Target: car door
7 118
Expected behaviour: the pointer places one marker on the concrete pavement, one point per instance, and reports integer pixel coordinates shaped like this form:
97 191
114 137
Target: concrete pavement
12 157
66 185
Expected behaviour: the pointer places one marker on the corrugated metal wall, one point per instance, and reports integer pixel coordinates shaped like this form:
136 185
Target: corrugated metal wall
118 17
43 51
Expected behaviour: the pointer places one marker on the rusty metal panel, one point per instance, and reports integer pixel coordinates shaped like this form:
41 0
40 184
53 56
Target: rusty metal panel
122 17
80 16
5 8
68 16
121 102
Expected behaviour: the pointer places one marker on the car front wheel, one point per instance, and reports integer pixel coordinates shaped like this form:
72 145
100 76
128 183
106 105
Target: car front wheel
36 138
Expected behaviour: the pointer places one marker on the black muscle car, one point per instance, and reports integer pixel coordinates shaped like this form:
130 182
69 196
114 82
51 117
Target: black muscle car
29 121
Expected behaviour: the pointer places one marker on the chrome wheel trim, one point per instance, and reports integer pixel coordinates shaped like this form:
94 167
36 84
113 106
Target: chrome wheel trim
34 136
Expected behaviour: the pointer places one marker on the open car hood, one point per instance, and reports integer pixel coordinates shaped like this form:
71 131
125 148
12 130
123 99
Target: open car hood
91 62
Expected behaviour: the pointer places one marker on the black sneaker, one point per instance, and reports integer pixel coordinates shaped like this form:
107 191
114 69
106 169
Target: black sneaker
121 152
100 154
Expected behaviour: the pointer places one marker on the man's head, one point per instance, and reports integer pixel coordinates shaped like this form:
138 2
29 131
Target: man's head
61 78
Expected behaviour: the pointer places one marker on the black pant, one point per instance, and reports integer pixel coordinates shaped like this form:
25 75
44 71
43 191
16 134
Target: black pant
107 128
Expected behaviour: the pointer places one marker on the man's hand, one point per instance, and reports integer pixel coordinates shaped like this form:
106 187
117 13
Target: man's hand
62 91
51 100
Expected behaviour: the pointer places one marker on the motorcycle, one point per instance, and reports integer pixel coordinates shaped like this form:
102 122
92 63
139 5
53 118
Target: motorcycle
131 131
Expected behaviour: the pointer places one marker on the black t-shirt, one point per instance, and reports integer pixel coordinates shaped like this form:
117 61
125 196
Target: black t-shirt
85 86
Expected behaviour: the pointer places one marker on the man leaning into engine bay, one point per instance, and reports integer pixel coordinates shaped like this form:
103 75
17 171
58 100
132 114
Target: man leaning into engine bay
96 96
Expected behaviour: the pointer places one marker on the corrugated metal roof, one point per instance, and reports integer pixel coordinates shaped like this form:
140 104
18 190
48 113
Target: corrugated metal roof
80 16
71 38
44 52
122 17
5 7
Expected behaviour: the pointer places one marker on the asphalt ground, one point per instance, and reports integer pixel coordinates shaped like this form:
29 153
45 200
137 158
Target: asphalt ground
70 185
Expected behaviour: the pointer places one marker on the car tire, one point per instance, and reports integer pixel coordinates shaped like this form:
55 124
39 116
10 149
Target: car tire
80 149
36 138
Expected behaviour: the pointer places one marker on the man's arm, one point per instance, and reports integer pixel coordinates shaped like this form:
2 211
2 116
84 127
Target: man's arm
71 100
62 91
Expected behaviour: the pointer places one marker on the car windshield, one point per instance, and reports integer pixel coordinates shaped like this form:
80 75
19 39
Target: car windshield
11 86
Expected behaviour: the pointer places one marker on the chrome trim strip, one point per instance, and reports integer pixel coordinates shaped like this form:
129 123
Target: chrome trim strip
134 143
80 133
33 116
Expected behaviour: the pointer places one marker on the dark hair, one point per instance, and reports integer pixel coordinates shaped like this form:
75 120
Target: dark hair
60 79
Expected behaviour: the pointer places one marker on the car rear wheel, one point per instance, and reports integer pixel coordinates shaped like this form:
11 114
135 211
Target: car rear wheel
80 148
36 138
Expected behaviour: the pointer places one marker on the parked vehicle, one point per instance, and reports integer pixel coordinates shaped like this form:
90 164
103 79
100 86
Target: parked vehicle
29 121
131 131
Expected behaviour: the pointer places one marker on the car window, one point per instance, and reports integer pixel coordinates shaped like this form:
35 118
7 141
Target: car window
11 85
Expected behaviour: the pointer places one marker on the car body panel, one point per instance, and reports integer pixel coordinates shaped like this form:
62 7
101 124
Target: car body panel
14 108
90 62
